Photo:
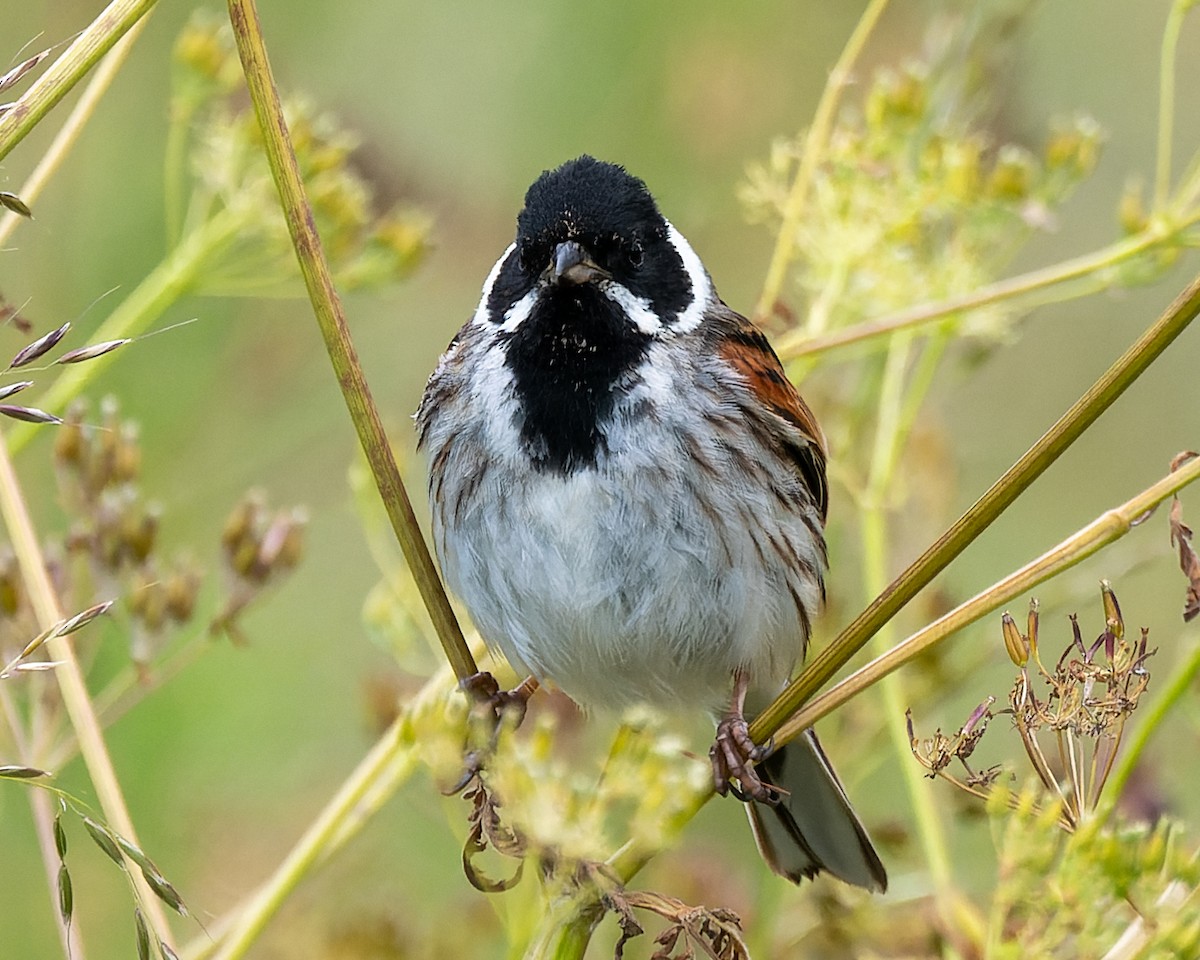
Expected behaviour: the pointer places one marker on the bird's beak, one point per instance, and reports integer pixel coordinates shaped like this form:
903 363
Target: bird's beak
572 265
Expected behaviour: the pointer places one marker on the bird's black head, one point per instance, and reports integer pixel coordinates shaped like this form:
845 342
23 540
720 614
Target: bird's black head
592 222
595 275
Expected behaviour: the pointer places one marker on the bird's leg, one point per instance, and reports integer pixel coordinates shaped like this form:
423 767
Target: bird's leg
734 754
491 705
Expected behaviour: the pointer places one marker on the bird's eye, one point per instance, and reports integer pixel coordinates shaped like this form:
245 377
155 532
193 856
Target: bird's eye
635 254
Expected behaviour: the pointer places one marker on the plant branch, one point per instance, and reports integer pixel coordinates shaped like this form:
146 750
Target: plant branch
58 78
814 148
799 343
331 318
70 678
1079 546
1166 100
66 137
1082 414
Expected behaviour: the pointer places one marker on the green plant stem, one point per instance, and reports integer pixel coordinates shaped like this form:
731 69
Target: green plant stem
375 779
247 31
65 139
163 286
814 149
800 343
1148 724
1166 100
70 679
66 71
979 516
896 397
1105 529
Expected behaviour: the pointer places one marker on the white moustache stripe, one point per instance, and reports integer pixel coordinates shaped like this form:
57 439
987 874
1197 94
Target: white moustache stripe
519 311
702 289
636 308
481 311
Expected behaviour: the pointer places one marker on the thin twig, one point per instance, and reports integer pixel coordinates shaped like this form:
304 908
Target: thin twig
327 306
800 343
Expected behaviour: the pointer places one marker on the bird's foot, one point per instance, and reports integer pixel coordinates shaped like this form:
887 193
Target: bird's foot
491 706
733 755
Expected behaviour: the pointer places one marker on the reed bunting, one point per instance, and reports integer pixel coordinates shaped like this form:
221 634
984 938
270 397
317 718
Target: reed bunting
629 495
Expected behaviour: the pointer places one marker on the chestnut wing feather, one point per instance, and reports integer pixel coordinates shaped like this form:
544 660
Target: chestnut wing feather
746 350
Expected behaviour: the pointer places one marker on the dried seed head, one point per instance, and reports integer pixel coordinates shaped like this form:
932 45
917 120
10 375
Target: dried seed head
1014 643
142 935
69 441
91 351
14 771
66 895
1031 638
60 837
104 840
40 347
10 201
17 72
28 414
83 618
8 390
1112 610
182 588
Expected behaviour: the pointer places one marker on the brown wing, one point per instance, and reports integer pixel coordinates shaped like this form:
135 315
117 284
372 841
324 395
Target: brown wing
746 350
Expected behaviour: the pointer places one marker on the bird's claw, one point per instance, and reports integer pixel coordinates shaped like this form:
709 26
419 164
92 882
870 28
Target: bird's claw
492 706
733 756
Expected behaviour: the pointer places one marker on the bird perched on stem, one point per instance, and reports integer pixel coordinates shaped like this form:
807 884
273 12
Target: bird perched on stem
629 495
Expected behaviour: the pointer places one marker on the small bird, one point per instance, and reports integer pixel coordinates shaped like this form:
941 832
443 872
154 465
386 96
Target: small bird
629 495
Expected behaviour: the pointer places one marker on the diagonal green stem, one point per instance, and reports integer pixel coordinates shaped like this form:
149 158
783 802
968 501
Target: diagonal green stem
331 318
800 343
58 79
1131 365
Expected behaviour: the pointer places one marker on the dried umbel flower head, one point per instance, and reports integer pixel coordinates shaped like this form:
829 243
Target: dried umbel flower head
260 547
1084 700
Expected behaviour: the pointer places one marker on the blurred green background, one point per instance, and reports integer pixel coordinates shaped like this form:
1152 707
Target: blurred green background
459 107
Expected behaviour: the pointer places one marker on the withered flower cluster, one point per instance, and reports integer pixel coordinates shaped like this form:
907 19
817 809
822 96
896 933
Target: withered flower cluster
1080 705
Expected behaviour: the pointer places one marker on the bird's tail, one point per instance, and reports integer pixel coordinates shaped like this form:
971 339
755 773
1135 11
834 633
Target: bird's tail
813 828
